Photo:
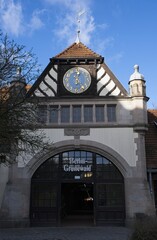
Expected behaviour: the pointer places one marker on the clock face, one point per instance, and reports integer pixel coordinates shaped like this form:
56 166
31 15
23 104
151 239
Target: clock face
77 80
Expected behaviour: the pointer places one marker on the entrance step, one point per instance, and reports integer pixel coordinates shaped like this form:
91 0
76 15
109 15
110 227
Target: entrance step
78 220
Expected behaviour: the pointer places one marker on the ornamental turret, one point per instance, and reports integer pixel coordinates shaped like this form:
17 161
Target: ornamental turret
18 84
137 84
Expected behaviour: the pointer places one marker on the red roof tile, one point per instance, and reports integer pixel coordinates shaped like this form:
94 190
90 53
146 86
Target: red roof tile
77 50
151 139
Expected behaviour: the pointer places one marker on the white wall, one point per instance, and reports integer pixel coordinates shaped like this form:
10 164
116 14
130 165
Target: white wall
121 140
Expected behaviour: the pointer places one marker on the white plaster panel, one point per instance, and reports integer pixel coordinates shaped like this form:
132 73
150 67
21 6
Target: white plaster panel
103 92
98 65
100 72
49 81
116 92
51 136
46 89
120 140
109 87
38 93
104 80
53 73
56 135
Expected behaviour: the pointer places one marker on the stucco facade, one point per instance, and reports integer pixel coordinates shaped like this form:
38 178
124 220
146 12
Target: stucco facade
121 141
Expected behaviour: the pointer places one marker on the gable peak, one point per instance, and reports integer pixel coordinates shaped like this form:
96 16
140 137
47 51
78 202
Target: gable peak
78 50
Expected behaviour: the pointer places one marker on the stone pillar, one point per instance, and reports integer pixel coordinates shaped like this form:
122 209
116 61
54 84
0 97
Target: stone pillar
16 200
138 199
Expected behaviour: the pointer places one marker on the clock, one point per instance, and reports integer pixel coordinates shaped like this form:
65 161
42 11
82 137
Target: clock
77 80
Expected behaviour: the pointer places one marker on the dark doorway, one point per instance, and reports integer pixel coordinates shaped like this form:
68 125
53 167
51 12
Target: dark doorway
77 204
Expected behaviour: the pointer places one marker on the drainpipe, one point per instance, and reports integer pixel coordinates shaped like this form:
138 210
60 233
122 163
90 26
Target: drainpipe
150 181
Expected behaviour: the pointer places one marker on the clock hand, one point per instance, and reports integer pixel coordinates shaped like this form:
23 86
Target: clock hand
76 79
77 72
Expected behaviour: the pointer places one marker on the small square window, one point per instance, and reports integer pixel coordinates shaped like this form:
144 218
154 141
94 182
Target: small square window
76 114
42 114
99 111
65 114
88 113
53 114
111 113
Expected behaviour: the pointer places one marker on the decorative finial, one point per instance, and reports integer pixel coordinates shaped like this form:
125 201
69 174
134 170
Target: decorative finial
78 25
18 71
136 68
18 76
78 37
136 74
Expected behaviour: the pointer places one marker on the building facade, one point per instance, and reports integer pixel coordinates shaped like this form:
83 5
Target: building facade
95 169
151 153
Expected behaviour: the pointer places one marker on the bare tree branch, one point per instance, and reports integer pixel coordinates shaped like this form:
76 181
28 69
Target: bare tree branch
19 129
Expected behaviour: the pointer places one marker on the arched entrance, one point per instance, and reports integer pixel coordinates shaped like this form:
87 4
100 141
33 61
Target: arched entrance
75 187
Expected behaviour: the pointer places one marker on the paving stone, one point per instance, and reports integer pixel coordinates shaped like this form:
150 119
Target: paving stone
66 233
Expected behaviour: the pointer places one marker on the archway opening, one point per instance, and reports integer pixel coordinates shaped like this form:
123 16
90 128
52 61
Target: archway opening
77 187
77 204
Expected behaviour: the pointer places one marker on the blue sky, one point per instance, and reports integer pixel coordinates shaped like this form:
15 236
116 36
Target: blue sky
124 32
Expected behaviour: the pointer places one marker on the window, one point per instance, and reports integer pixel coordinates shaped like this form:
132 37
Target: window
111 113
106 170
53 116
76 114
42 114
99 113
77 165
88 113
48 170
92 113
45 195
110 194
65 114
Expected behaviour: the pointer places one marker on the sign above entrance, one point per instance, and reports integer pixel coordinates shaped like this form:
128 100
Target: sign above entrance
77 168
77 165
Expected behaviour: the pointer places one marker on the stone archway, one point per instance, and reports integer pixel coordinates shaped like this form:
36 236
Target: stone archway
61 146
107 208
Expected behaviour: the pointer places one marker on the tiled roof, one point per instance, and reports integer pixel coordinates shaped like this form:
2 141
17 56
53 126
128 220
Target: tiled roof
151 139
78 50
28 86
